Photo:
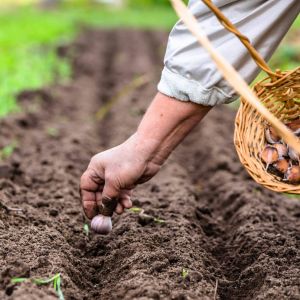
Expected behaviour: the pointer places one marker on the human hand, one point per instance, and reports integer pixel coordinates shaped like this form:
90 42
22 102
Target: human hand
114 173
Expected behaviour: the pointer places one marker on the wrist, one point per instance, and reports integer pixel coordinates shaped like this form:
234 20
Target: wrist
144 147
165 124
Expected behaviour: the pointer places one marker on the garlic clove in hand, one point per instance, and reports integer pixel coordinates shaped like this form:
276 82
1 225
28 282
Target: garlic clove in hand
101 224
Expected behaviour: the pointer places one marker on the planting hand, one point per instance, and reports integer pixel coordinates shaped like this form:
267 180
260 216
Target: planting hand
115 172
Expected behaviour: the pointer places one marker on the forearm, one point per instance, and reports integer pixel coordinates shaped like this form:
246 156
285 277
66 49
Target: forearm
165 124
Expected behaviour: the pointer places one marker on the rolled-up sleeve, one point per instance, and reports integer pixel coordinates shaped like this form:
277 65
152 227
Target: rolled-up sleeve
189 74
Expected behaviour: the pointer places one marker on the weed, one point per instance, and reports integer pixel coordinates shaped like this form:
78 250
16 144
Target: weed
18 280
125 91
7 151
52 131
135 209
55 280
184 273
86 229
159 221
141 212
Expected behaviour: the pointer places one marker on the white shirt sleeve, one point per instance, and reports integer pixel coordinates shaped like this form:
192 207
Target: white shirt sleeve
190 74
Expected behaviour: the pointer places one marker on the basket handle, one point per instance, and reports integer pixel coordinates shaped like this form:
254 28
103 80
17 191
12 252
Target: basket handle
232 76
229 26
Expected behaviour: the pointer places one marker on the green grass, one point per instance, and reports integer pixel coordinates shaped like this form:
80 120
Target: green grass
7 151
29 36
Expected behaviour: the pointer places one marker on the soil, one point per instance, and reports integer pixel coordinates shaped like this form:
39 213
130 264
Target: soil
233 238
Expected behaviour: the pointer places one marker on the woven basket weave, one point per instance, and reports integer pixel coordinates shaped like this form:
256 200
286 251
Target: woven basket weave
280 93
280 96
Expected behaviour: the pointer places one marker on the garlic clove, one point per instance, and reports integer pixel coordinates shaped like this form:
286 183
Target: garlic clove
281 165
293 174
269 155
281 149
271 135
101 224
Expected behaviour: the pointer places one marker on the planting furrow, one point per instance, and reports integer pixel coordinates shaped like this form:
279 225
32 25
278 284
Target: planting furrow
252 233
142 258
214 233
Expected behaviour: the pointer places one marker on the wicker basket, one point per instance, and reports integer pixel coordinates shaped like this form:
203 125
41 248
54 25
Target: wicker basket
279 97
280 93
276 99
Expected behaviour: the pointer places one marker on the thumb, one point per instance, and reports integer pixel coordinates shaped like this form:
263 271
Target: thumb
110 197
111 189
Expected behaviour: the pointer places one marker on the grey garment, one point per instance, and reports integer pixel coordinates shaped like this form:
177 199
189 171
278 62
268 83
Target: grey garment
190 74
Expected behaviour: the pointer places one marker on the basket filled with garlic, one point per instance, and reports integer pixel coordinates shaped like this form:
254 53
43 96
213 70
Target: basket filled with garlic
268 120
281 159
266 135
264 153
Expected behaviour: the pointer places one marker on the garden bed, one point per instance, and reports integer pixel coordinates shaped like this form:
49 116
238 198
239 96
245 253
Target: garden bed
217 234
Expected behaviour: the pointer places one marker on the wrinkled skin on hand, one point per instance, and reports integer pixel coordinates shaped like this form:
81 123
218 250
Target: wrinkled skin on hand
114 174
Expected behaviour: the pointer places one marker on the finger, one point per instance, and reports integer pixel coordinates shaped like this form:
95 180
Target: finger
125 198
119 209
110 190
89 204
125 201
90 181
99 199
89 184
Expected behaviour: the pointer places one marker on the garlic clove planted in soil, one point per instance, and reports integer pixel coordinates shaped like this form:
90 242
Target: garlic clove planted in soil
293 174
101 224
281 149
269 155
271 135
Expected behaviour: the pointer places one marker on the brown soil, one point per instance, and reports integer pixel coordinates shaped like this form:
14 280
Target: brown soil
235 239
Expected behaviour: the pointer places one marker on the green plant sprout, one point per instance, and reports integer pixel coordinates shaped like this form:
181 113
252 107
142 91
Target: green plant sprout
141 212
135 209
52 131
18 280
7 151
184 273
159 221
56 280
86 229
